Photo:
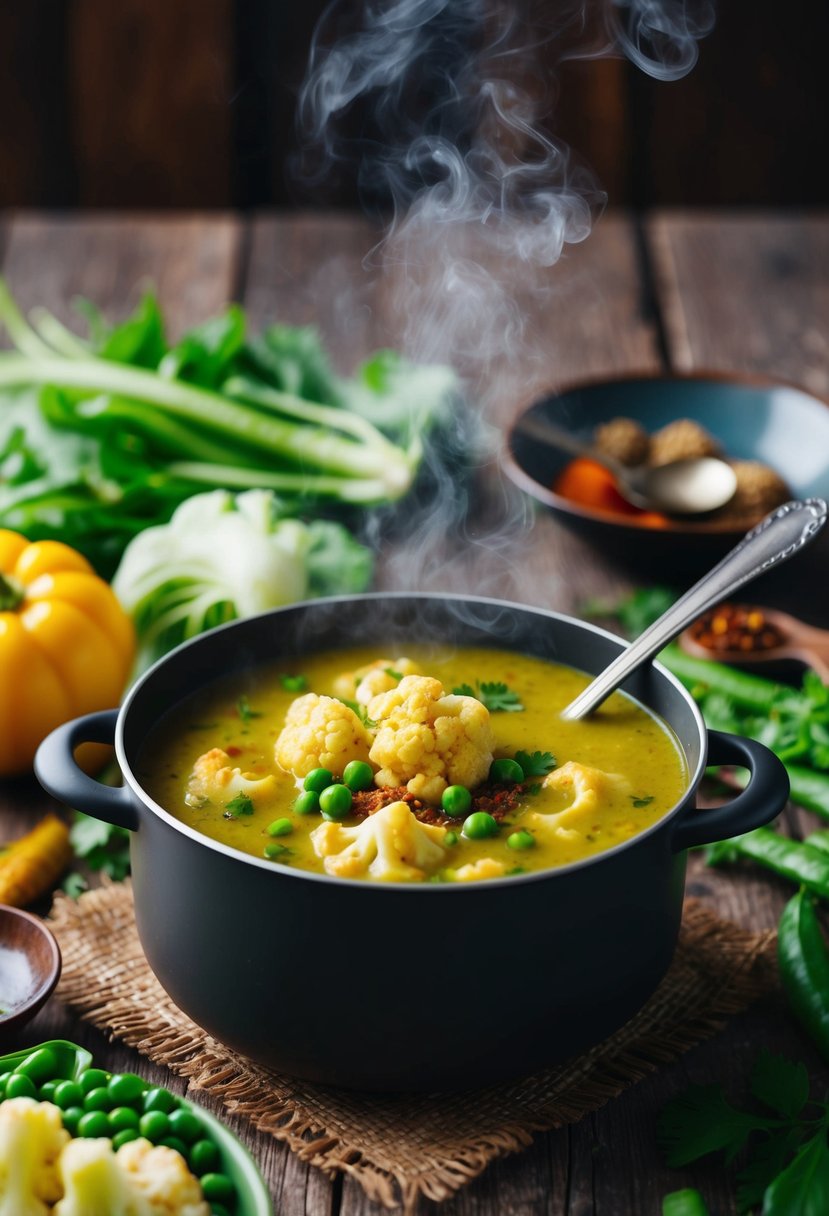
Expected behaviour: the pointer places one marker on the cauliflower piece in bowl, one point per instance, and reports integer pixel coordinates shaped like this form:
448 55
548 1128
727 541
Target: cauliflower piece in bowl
159 1176
369 681
213 779
391 845
584 789
427 738
320 732
32 1138
475 871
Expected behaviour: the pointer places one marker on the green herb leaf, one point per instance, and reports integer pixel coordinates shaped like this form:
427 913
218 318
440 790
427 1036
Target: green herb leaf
780 1084
240 805
701 1121
536 764
244 710
496 696
803 1187
360 710
639 802
771 1154
74 884
104 847
395 675
293 683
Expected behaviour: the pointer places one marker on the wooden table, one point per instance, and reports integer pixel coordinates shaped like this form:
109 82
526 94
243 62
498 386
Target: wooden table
675 290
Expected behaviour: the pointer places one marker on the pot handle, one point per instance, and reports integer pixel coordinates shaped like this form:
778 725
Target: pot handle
761 801
58 773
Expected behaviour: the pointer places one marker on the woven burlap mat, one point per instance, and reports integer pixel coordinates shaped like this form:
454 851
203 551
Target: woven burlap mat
401 1148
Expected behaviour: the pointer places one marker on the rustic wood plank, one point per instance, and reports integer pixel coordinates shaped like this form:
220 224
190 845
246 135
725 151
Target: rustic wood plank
745 292
150 86
192 260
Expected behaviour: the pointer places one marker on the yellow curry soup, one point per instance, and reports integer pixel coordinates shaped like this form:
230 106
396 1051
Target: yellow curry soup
212 763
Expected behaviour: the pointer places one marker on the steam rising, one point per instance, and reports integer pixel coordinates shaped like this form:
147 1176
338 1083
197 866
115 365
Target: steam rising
483 202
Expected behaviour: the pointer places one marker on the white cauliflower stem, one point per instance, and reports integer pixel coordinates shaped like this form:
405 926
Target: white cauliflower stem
320 732
213 779
32 1137
585 790
391 845
427 739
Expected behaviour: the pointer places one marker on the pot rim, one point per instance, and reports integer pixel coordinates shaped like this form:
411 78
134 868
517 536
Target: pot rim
365 597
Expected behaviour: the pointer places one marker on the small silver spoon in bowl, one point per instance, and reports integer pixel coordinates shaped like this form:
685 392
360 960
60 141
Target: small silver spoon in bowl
683 487
775 539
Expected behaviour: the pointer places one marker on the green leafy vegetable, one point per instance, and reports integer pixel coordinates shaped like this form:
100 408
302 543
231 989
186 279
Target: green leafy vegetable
240 805
103 847
105 436
536 764
644 800
221 558
786 1162
244 710
497 697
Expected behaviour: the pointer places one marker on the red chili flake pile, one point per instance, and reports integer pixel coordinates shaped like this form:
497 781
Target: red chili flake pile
736 627
498 800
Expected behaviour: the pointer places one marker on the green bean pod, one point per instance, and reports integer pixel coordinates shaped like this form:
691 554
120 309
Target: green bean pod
804 968
800 863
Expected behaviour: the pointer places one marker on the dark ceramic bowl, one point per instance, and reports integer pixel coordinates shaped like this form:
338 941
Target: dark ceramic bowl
754 419
29 968
404 986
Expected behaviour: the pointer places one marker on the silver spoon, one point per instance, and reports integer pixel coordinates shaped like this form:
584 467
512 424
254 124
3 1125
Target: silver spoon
683 487
775 539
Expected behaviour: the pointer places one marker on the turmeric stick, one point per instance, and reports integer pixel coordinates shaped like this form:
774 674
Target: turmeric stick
32 865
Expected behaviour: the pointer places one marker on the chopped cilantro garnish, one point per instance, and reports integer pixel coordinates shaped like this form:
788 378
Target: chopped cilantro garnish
240 805
244 710
293 683
497 697
360 711
536 764
395 675
645 800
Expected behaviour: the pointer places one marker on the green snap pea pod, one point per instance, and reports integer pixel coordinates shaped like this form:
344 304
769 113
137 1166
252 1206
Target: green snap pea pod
804 968
747 690
684 1203
800 863
818 840
810 789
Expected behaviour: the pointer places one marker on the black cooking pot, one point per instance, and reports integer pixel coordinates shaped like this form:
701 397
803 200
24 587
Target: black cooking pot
404 987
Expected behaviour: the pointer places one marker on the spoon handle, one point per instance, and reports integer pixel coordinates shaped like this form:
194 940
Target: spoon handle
549 433
775 539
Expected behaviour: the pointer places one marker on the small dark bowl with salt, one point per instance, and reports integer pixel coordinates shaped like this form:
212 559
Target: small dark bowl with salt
30 966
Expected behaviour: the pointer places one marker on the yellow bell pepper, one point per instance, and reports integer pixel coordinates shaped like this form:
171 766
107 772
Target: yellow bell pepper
66 644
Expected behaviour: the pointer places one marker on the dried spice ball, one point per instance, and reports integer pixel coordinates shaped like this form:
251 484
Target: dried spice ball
624 440
682 440
759 490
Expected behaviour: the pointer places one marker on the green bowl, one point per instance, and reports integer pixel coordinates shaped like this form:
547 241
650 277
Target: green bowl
252 1197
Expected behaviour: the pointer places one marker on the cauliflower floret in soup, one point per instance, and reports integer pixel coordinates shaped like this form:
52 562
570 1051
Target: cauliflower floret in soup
213 779
427 738
374 678
320 732
584 790
390 845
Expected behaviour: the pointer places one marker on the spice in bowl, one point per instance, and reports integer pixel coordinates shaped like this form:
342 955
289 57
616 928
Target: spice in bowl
730 627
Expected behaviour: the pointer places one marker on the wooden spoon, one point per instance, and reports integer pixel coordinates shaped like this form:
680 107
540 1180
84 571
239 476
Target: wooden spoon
801 642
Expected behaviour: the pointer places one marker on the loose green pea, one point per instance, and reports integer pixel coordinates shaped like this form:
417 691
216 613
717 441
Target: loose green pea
216 1186
39 1065
335 802
479 825
4 1077
318 780
451 838
155 1125
307 803
20 1086
124 1137
521 840
185 1124
456 800
68 1093
93 1078
46 1092
272 850
123 1117
71 1118
159 1099
125 1087
358 775
174 1142
98 1099
506 772
93 1124
280 827
203 1157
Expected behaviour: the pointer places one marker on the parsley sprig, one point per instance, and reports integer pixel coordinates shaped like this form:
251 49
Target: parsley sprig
242 804
497 697
786 1162
536 764
244 710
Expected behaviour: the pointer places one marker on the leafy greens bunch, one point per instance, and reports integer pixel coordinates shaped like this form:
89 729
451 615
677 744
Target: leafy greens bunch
104 436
